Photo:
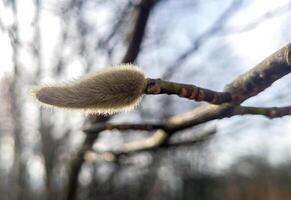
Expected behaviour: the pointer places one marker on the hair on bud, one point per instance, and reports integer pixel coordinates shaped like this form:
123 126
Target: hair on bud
107 91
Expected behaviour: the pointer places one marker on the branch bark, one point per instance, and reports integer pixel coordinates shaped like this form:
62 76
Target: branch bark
192 92
270 112
261 76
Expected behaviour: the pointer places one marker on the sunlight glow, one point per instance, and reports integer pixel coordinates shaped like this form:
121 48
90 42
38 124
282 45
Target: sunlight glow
254 45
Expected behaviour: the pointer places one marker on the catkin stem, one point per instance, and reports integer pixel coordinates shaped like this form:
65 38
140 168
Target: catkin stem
158 86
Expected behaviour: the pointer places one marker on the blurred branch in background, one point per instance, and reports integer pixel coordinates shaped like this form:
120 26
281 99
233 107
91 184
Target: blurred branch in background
48 39
131 54
217 26
253 24
138 32
152 144
18 177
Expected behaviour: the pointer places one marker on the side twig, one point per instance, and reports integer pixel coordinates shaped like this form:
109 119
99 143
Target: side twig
130 148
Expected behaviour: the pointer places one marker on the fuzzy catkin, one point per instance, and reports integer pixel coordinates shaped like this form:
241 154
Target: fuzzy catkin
107 91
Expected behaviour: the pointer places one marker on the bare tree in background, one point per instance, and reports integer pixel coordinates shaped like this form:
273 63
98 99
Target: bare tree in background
54 159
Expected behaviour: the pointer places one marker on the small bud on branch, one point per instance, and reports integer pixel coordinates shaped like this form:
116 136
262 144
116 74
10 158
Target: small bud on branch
119 89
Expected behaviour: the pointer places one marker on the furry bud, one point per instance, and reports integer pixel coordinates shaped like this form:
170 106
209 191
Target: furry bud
109 90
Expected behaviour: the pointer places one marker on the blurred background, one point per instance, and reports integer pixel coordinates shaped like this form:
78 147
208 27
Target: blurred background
203 42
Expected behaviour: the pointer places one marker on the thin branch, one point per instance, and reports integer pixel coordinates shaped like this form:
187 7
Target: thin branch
96 128
139 30
192 92
117 25
201 39
158 138
143 145
199 115
75 167
252 25
270 112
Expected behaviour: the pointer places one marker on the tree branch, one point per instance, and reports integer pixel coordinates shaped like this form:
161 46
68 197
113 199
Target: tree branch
270 112
130 56
139 30
192 92
75 167
150 144
96 128
261 76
